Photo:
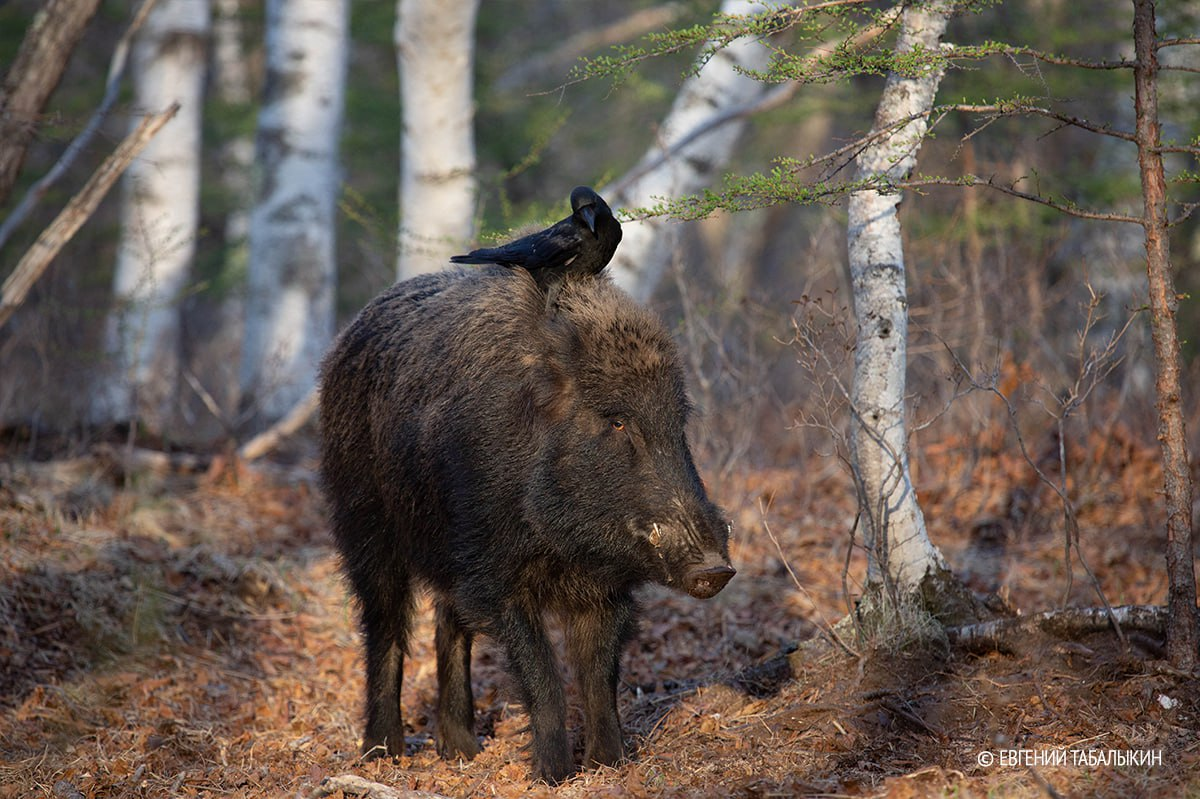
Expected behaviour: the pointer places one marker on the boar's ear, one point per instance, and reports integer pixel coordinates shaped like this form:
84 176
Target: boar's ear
549 391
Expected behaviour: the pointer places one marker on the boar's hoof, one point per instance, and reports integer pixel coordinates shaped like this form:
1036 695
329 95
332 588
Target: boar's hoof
553 773
706 583
456 745
372 750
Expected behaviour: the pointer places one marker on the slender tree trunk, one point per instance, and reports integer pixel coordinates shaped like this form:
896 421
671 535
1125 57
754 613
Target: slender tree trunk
1172 437
292 271
159 219
231 81
901 556
716 89
435 53
216 359
33 76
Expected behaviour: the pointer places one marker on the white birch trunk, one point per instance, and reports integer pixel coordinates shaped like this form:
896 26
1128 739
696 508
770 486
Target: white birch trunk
435 54
292 271
717 88
899 549
159 218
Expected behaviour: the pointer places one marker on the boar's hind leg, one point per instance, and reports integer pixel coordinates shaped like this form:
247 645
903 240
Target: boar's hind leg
456 704
386 637
532 664
594 641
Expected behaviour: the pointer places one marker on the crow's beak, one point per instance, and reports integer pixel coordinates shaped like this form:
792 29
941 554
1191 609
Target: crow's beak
588 213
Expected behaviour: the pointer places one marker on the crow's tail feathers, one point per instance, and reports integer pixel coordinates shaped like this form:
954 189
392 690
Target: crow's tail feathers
477 257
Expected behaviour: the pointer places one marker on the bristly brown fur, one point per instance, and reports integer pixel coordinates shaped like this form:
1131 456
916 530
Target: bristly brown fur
516 458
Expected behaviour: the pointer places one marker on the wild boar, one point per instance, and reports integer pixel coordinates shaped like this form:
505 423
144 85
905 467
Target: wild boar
520 462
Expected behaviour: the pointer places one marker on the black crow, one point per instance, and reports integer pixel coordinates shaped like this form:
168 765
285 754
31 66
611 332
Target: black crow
581 244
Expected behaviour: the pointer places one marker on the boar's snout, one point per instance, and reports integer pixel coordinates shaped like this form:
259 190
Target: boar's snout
705 580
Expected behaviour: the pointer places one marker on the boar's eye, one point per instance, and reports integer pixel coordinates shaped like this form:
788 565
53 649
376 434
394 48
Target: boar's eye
617 424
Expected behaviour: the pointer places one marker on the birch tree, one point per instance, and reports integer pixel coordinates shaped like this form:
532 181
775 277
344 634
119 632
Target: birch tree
159 217
688 152
900 554
290 296
435 47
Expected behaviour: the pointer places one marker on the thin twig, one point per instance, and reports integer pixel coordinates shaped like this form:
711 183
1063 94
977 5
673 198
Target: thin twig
1072 531
210 402
296 418
1010 189
825 627
112 90
768 100
79 210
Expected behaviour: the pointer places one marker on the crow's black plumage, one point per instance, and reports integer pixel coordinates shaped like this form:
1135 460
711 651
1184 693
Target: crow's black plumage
581 244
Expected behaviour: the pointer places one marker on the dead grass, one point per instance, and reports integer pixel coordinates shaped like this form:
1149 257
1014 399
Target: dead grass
191 636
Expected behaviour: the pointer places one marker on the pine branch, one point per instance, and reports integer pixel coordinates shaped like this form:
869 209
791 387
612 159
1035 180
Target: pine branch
713 37
1000 48
1064 206
1174 43
769 100
1019 107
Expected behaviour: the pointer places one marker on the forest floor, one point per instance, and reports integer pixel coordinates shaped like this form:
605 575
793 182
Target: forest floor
188 634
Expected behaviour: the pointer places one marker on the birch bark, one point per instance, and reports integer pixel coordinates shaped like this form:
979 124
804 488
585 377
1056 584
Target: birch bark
435 54
718 87
290 296
159 219
899 550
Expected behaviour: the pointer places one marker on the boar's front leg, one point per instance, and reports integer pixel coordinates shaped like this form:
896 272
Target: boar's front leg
594 641
531 662
456 703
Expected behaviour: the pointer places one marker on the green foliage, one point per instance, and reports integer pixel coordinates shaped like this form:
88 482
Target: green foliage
711 37
841 42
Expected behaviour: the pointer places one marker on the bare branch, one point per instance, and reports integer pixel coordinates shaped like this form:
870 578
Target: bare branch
353 785
112 91
1001 634
1059 60
1174 43
78 210
1092 369
826 629
269 439
32 77
1012 190
1019 108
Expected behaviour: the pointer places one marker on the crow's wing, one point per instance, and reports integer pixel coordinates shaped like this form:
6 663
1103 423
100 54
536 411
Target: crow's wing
548 249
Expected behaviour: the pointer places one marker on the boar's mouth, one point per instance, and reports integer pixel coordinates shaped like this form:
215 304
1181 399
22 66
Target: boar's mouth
703 578
706 581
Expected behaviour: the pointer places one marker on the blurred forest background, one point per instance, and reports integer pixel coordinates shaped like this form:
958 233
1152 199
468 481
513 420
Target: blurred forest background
1005 284
173 622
